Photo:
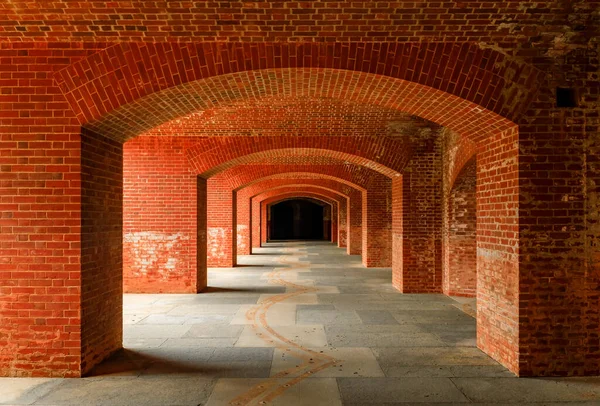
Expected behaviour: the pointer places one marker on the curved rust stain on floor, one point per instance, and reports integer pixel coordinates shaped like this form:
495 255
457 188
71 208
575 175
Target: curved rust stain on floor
311 361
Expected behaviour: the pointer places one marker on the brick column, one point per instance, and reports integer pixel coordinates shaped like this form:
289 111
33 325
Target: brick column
264 223
498 328
342 223
420 191
377 223
221 238
256 223
354 234
327 220
160 227
243 222
334 223
460 235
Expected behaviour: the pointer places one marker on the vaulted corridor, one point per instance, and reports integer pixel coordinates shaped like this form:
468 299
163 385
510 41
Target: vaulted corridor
300 323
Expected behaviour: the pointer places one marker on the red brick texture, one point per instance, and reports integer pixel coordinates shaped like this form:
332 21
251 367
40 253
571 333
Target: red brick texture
75 83
256 224
221 238
140 77
420 270
264 223
559 298
460 239
273 21
342 222
498 249
101 248
377 223
160 217
41 221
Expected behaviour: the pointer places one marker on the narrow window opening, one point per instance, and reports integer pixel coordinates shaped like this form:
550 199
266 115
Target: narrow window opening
566 97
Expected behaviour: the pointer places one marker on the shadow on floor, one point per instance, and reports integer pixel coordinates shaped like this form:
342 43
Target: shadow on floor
131 362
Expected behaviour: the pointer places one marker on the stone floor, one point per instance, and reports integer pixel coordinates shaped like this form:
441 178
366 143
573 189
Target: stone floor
299 324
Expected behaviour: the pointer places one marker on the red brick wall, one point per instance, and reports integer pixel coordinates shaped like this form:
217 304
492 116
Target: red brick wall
40 216
354 229
421 270
101 248
318 21
447 64
201 236
459 243
265 223
257 224
377 223
333 220
397 233
559 299
160 227
221 239
243 221
342 223
460 257
498 249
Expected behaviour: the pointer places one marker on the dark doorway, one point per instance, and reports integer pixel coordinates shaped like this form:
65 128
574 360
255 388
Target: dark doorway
297 219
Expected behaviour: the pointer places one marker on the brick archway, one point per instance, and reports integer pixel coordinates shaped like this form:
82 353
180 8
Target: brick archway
329 225
467 96
492 130
248 232
341 208
373 186
232 153
62 70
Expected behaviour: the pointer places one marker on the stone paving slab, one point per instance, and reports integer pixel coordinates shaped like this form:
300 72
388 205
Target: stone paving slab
380 336
155 331
390 348
514 390
25 391
327 317
210 330
128 392
376 317
310 392
448 316
281 314
349 362
381 390
306 336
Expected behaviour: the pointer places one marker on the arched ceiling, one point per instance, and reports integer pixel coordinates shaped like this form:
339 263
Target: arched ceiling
293 116
354 175
308 180
119 119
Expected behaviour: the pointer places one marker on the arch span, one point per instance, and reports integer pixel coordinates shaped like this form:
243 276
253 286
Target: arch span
247 223
144 85
267 199
386 156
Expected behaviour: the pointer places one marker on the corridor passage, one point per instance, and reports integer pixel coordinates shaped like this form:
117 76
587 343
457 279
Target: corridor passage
298 324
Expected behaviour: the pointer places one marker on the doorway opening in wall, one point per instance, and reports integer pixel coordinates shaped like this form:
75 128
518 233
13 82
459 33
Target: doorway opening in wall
298 219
